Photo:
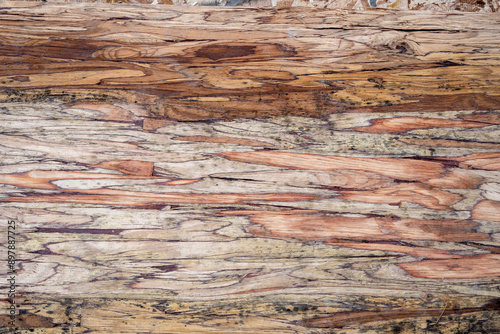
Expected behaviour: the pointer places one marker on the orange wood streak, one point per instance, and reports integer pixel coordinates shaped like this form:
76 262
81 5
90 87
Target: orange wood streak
418 193
227 140
43 179
403 124
456 179
487 210
467 267
40 179
180 182
311 225
487 161
132 167
403 169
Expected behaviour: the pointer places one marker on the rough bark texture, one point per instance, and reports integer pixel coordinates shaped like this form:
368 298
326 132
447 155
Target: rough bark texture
222 170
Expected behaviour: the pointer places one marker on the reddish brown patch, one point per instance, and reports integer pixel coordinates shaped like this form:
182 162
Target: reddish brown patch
470 267
403 124
487 161
310 225
153 124
457 179
487 210
131 167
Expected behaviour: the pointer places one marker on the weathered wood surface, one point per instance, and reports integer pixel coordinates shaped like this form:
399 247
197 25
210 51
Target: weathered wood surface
427 5
197 64
194 170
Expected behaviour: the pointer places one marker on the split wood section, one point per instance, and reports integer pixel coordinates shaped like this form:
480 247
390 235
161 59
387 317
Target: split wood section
163 180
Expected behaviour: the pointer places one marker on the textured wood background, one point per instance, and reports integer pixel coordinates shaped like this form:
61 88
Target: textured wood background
427 5
224 170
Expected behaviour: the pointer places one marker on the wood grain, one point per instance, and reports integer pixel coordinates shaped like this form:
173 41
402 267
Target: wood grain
258 63
163 181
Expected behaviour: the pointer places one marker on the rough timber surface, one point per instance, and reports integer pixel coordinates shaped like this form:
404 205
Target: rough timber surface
228 170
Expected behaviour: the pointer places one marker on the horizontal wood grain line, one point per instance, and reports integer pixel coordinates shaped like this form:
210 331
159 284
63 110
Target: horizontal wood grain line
403 169
138 199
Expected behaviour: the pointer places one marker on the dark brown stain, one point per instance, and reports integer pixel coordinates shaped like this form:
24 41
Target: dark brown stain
163 269
26 320
20 78
469 5
233 51
61 49
429 103
220 51
167 268
44 252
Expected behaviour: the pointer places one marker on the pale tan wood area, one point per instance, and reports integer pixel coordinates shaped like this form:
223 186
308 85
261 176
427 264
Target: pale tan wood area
234 170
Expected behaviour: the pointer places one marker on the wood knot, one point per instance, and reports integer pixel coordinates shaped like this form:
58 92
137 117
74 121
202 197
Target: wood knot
429 297
406 47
